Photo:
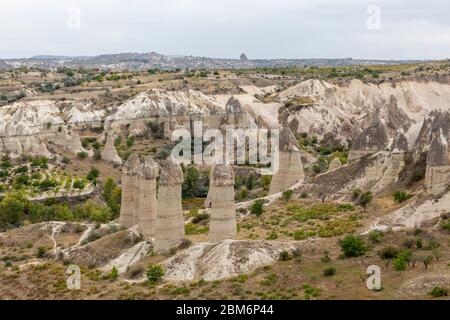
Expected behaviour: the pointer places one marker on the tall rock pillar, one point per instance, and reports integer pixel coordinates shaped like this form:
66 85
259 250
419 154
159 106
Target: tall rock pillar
130 192
147 197
109 152
223 210
290 169
438 165
169 214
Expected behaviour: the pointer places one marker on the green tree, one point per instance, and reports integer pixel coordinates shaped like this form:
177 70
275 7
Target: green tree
365 198
12 210
112 195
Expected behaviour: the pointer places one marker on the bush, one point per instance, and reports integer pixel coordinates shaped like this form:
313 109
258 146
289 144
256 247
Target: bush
401 196
93 212
375 236
78 184
399 264
97 155
82 154
272 236
114 274
287 195
257 207
284 256
155 272
93 175
329 272
388 253
41 252
437 292
401 261
353 246
130 141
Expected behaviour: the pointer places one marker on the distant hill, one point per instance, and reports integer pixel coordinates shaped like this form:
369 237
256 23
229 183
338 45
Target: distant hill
142 61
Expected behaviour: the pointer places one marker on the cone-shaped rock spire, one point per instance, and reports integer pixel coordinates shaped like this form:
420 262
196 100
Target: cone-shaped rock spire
147 197
169 217
290 169
223 211
109 152
130 192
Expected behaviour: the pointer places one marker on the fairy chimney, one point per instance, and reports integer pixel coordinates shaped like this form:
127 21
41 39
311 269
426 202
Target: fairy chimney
109 152
147 197
223 211
290 169
169 215
130 194
208 202
438 165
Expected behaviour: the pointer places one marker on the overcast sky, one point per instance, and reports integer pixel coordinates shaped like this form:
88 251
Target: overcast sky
400 29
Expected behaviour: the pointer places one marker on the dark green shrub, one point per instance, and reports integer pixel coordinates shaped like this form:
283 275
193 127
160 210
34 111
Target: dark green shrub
375 236
82 154
329 272
287 195
78 184
353 246
155 272
401 196
284 256
257 207
388 253
438 292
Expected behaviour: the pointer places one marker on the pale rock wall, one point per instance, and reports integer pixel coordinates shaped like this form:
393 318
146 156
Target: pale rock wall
437 179
394 165
414 215
68 140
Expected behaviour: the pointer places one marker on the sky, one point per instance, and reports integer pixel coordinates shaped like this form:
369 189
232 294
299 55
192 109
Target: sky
377 29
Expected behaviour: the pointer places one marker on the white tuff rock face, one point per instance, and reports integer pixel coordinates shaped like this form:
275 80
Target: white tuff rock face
223 211
373 139
162 103
169 217
334 106
224 259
